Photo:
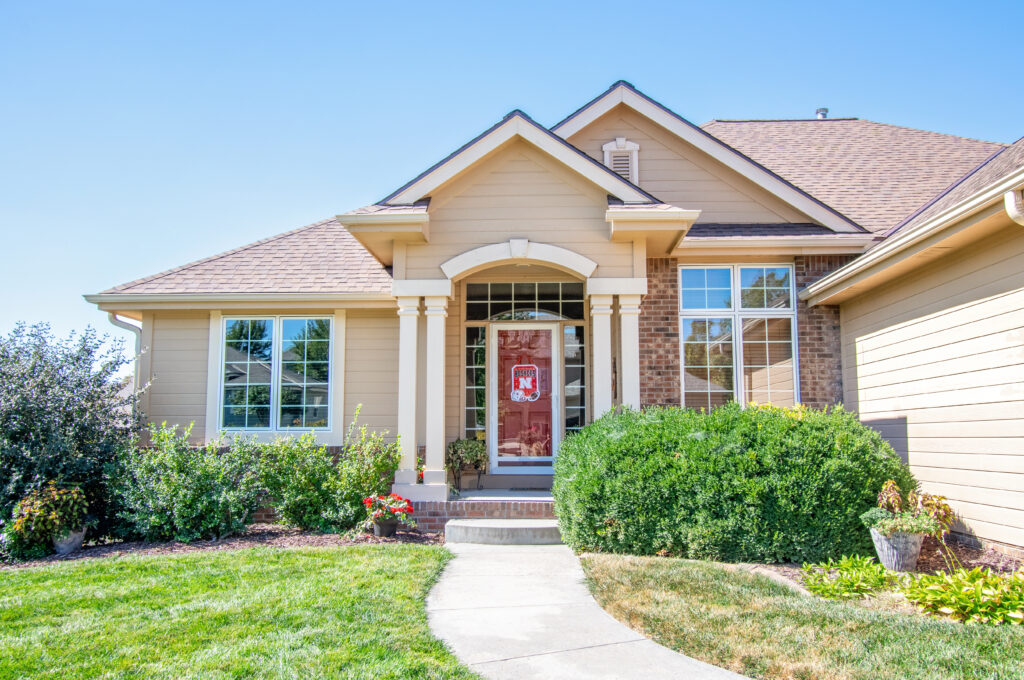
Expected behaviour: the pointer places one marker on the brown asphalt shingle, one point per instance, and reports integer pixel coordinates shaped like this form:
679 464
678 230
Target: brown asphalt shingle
1009 160
875 174
319 258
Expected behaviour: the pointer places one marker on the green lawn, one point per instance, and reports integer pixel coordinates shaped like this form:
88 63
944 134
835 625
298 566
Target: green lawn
760 628
353 612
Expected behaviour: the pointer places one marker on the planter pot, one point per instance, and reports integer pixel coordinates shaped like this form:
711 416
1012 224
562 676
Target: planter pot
385 528
898 552
70 542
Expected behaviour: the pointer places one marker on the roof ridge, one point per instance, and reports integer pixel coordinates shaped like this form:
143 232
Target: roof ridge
211 258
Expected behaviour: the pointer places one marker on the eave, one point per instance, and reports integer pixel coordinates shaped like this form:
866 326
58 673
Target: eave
661 227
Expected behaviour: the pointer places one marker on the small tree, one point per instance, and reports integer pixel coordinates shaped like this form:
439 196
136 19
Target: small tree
64 415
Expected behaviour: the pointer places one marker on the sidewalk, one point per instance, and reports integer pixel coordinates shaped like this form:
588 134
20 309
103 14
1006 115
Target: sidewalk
525 612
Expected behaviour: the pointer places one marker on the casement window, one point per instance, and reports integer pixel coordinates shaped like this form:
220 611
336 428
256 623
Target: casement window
738 335
276 373
623 157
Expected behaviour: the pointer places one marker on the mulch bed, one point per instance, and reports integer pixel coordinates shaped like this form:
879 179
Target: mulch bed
254 536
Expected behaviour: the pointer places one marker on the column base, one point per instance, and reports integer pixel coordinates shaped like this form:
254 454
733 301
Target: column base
405 477
422 492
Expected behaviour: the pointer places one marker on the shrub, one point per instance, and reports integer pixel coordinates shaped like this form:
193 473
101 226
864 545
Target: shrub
758 484
175 490
312 490
975 596
43 515
64 416
462 454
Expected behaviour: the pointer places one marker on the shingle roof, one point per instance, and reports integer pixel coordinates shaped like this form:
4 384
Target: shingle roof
710 230
1003 162
319 258
875 174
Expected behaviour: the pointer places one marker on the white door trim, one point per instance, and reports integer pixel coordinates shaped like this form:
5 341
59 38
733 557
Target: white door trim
557 419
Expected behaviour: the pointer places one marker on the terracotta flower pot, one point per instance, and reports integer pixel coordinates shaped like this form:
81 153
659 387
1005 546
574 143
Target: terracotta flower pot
69 542
385 527
898 552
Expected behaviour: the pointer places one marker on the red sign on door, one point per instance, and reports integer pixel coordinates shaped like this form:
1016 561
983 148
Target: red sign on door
525 382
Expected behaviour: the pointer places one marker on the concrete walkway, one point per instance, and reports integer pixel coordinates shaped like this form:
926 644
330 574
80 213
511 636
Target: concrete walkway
524 611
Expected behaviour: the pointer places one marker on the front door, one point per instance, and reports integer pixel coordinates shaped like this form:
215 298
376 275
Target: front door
525 402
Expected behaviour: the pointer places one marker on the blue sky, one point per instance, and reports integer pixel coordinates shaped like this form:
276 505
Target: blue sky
137 136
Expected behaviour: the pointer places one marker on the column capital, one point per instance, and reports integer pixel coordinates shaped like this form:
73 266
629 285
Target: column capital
408 305
600 304
629 304
435 305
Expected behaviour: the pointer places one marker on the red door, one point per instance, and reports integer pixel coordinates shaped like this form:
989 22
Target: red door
525 400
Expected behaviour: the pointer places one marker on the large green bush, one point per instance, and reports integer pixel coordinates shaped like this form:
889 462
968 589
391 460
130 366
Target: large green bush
65 415
312 488
759 484
174 489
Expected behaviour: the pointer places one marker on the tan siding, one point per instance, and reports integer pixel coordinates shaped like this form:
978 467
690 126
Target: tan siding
371 369
679 174
178 359
935 361
519 192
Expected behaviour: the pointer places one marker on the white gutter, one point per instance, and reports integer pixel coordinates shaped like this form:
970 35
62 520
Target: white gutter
1014 201
903 240
135 330
234 297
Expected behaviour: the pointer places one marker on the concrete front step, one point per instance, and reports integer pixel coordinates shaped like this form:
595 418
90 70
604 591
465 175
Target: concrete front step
503 531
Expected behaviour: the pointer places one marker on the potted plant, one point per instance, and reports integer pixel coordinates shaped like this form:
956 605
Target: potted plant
385 512
53 514
900 522
463 454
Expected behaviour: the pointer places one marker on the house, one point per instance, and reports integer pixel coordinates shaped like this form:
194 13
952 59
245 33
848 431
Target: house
538 277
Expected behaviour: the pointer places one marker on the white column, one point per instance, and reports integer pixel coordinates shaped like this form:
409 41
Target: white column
435 476
408 332
601 329
629 337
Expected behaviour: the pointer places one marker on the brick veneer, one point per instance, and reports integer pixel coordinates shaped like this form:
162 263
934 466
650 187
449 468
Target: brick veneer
820 343
821 379
433 515
659 335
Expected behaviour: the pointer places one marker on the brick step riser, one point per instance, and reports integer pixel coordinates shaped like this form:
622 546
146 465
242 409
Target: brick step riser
432 515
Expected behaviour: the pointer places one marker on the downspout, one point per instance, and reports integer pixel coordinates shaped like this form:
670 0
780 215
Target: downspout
1014 201
120 323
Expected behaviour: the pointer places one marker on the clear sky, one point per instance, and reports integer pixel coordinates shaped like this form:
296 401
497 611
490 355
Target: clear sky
137 136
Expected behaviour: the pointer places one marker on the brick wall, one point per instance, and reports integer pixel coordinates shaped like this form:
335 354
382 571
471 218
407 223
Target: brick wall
820 344
821 380
659 335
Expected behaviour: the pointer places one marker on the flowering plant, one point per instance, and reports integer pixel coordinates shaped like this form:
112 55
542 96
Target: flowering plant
392 506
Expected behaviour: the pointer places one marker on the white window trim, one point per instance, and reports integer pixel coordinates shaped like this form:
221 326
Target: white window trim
620 145
735 313
333 434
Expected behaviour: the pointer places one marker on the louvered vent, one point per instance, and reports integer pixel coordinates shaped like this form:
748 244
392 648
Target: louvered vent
621 156
620 164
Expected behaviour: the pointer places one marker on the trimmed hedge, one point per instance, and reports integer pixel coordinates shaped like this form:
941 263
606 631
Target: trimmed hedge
762 484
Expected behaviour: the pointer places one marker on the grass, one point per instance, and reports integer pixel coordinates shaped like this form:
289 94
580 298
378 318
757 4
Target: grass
752 625
354 612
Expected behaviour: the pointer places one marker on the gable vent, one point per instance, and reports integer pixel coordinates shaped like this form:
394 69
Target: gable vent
622 156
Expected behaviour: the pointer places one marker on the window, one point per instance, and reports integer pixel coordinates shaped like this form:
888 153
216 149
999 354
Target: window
737 328
277 373
622 156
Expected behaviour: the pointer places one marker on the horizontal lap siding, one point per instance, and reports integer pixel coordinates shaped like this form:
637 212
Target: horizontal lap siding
179 351
371 369
519 192
935 362
679 174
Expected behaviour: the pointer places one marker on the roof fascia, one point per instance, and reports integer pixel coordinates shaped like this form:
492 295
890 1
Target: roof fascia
792 245
518 124
878 258
156 298
623 93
